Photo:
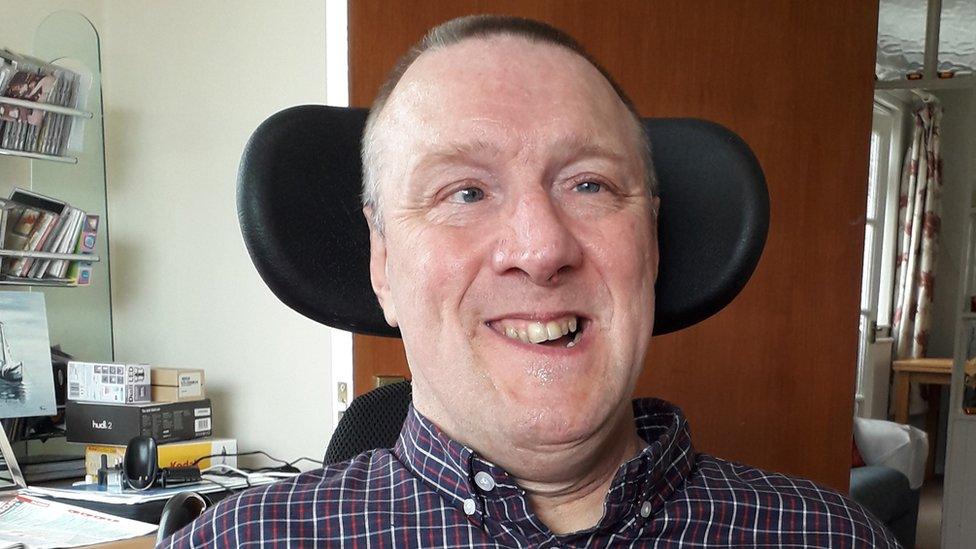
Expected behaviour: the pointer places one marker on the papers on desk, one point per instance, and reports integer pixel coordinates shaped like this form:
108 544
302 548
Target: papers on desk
92 492
35 523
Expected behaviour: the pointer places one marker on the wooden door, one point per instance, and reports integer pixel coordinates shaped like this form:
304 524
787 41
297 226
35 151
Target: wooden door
769 381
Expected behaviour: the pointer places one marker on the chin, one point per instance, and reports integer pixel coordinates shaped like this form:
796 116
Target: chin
553 419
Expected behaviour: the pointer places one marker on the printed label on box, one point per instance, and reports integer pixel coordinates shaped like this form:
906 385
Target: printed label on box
202 424
201 412
190 385
115 383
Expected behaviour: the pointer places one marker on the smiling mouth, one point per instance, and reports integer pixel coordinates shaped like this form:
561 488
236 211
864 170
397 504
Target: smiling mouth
564 331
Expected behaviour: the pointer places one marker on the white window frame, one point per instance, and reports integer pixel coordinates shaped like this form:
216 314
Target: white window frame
891 117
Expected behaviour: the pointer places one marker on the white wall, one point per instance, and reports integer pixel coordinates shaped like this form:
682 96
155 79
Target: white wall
959 175
184 84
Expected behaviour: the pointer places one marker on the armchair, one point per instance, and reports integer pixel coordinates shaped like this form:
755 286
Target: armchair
888 485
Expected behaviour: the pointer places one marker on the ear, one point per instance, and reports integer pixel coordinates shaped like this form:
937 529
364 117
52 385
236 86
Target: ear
378 269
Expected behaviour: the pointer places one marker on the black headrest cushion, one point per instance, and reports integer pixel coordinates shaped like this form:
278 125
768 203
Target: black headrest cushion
298 200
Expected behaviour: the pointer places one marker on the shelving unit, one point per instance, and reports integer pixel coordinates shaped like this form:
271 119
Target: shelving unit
960 476
79 318
7 280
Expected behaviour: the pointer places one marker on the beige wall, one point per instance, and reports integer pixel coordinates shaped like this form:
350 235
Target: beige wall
184 83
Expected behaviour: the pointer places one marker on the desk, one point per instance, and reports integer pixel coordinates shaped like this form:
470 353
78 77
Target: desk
925 371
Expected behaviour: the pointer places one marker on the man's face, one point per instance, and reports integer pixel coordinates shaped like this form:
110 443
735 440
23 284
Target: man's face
515 210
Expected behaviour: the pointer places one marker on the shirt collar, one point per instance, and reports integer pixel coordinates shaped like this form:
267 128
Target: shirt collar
644 482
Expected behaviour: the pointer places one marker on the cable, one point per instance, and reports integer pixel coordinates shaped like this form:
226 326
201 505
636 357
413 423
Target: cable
315 461
228 489
259 452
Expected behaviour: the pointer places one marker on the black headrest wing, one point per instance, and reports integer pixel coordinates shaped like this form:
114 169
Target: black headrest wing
713 221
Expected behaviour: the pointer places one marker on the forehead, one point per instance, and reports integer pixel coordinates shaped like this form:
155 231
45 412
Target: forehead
506 88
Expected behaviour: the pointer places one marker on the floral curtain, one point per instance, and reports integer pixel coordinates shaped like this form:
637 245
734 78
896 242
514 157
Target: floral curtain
919 214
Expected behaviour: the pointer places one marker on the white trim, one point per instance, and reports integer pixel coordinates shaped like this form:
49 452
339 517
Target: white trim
897 109
337 95
336 53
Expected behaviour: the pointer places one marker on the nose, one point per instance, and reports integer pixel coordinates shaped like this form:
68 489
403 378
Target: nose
536 241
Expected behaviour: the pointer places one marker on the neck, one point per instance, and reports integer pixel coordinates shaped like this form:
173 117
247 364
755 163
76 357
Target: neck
575 501
566 485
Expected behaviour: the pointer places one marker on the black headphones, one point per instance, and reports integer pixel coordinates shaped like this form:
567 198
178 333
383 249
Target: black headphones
141 470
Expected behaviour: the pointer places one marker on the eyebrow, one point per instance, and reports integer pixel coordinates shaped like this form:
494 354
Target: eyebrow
586 146
459 151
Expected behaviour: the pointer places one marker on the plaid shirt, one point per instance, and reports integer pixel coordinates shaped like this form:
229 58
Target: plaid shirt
430 491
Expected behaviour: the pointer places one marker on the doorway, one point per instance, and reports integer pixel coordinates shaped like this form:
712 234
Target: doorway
931 409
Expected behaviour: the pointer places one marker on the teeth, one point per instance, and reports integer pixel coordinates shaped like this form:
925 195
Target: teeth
539 332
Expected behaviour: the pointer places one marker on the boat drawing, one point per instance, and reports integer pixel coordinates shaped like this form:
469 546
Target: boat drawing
10 370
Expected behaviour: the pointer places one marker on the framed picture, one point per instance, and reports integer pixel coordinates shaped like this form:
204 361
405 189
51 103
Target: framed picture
11 477
26 379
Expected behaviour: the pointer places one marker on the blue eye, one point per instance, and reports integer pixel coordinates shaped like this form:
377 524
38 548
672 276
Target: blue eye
468 195
589 187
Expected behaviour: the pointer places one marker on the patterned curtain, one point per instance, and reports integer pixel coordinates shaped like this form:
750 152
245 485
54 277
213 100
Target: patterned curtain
919 214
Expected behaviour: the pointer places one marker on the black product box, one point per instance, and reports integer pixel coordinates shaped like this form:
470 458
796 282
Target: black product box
103 423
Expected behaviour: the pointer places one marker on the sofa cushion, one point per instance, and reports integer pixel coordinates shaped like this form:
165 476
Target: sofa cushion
882 490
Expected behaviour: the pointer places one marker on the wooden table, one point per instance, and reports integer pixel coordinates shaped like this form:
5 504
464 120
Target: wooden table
925 371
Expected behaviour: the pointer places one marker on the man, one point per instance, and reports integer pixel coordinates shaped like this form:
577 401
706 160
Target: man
509 190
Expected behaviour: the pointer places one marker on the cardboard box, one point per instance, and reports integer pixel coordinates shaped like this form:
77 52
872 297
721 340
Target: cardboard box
108 382
177 384
98 423
173 454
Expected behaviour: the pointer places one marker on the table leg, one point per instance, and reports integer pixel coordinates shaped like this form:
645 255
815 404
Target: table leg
900 389
934 398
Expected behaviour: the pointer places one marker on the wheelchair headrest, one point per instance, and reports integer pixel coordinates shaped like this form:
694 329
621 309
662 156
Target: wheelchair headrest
298 200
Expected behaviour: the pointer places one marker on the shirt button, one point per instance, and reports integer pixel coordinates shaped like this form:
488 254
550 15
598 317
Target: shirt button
484 481
645 510
469 507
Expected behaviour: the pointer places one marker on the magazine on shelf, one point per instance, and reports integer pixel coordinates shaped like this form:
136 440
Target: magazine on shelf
50 212
30 79
38 223
20 223
56 267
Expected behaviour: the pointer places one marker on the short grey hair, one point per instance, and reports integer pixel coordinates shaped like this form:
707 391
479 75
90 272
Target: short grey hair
479 26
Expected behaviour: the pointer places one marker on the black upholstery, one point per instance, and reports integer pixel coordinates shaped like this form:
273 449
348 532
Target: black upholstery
298 200
886 493
373 420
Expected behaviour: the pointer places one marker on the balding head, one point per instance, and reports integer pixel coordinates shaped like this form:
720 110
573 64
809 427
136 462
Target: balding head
379 140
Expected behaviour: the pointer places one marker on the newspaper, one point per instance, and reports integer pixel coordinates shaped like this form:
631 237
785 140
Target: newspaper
36 523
